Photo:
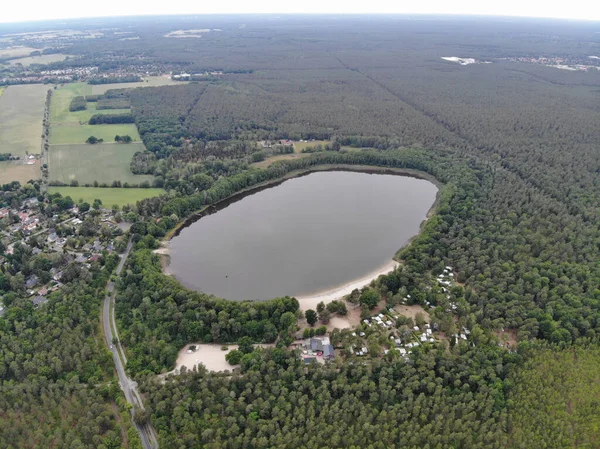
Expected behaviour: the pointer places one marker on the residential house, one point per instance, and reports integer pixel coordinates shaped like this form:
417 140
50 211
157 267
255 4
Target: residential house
39 300
31 281
328 352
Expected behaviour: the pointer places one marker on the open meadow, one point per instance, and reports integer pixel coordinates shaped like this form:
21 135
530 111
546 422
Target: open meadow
64 134
21 116
16 171
16 52
108 196
150 81
86 163
42 59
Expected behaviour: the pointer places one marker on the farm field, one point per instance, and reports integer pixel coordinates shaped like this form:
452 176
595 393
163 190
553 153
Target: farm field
86 163
150 81
42 59
299 146
14 171
63 134
108 196
21 116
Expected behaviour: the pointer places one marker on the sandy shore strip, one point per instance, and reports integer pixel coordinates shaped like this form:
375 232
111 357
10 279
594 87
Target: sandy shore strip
311 301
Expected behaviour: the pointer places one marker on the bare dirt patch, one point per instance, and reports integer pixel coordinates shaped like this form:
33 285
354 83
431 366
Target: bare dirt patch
411 311
212 356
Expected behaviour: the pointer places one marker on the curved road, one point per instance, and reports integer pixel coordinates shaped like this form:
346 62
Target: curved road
128 386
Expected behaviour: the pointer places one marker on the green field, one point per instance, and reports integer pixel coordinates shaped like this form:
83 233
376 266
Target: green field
21 116
61 99
43 59
150 81
63 134
86 163
108 196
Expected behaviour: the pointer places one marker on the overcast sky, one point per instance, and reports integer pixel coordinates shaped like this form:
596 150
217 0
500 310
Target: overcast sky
19 11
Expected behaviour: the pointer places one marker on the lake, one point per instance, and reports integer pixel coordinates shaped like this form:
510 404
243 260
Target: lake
303 236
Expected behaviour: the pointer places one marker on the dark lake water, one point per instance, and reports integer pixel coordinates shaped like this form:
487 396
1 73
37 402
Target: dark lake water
306 235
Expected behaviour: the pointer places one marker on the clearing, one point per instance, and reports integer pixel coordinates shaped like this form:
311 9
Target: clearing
279 157
21 116
86 163
150 81
42 59
299 146
63 134
109 196
212 356
17 171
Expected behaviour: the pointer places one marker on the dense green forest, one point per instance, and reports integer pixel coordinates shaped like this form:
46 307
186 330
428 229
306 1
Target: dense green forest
514 145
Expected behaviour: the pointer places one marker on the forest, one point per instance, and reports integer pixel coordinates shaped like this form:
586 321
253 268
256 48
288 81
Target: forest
514 146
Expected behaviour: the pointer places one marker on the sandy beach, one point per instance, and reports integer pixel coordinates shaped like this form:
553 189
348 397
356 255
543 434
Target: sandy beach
311 301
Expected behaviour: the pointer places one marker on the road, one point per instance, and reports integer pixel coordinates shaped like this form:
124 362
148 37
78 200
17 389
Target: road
129 387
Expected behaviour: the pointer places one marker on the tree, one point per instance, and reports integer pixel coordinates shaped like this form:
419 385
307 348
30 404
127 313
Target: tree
311 317
97 203
93 140
369 298
234 357
325 316
245 345
420 319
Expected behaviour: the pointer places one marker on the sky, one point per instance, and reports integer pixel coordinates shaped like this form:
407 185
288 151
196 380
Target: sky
21 11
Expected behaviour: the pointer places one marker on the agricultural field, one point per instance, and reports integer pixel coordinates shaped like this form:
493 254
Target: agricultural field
150 81
21 116
42 59
16 171
86 163
108 196
64 134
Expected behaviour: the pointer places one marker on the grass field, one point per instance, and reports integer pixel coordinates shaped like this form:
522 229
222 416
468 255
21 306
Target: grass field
150 81
299 146
43 59
108 196
21 116
2 90
85 163
16 52
64 134
11 171
59 109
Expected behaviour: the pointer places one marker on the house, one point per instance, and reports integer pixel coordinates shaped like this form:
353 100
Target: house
3 212
316 344
57 276
87 247
36 251
95 257
39 300
328 352
52 237
43 291
31 281
80 259
97 246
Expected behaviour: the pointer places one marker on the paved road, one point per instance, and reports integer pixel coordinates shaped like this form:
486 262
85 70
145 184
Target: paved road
128 386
